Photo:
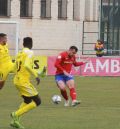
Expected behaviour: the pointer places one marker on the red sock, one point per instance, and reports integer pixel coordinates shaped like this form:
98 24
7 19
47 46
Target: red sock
73 93
64 94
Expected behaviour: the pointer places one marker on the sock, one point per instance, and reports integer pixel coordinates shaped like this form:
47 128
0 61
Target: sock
64 94
73 93
22 105
25 108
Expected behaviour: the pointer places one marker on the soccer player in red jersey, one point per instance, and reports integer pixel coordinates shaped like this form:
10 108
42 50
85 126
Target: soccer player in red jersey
63 78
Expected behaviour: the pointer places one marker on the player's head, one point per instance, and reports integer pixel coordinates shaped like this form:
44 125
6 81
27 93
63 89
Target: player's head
28 42
3 38
99 41
72 50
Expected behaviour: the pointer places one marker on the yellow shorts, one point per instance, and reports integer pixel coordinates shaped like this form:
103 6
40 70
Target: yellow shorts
100 52
5 70
25 87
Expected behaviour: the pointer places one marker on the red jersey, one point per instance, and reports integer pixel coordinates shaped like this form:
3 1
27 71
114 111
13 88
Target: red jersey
64 63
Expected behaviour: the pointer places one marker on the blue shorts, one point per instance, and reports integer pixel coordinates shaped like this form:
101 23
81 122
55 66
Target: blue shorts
62 77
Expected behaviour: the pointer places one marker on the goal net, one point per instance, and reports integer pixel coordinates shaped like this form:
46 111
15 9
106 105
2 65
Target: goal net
11 29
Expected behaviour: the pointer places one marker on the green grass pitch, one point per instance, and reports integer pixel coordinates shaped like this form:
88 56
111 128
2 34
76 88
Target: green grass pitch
100 107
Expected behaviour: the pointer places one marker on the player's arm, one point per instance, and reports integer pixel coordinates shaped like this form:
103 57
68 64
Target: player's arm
58 63
27 65
43 72
80 63
101 48
96 48
13 67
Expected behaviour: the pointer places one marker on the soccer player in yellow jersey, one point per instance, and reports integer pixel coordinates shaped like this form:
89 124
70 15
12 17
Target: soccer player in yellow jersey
6 64
22 82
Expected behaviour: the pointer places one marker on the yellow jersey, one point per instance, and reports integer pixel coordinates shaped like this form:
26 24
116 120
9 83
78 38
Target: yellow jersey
4 55
24 62
99 46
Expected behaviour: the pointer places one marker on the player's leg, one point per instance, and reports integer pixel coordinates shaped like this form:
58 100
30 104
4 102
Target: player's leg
61 85
27 91
37 99
22 105
3 76
4 71
27 100
16 124
71 85
31 102
16 118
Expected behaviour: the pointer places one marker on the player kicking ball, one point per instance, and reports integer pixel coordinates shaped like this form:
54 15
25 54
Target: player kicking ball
63 78
22 82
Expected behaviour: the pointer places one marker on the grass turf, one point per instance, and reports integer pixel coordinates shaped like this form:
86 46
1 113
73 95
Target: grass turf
100 107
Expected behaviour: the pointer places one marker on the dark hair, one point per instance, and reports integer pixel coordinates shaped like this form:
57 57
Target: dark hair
74 47
100 41
27 42
2 35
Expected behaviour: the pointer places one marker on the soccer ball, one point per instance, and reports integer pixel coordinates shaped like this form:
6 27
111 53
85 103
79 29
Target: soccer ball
56 99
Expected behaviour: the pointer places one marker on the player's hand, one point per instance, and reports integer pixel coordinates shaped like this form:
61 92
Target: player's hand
44 69
43 72
67 74
37 80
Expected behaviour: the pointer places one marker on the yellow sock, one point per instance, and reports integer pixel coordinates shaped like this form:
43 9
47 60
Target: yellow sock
26 108
22 105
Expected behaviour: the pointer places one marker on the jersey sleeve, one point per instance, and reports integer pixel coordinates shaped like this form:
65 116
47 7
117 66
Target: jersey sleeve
58 62
28 64
77 63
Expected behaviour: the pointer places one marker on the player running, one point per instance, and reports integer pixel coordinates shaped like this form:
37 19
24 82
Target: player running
22 82
6 65
63 77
